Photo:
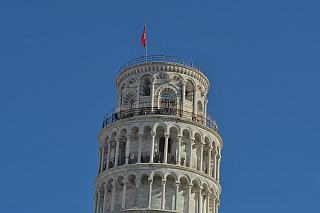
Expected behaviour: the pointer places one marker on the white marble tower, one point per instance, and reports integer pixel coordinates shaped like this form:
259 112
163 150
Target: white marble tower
160 151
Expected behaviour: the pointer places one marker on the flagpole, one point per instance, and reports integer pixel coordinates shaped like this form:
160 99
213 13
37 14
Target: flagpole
145 48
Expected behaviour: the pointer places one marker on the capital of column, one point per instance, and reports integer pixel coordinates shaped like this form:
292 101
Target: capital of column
128 136
150 180
124 182
137 183
190 186
114 184
153 134
167 135
176 184
105 186
163 182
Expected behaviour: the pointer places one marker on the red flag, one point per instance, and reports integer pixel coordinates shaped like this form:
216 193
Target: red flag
143 38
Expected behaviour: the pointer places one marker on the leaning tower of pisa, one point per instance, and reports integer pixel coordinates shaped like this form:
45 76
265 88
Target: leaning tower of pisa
160 150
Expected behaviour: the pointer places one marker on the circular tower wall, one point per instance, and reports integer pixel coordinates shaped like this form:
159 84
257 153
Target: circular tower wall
159 148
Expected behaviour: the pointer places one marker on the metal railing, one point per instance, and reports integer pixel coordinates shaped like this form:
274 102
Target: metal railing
122 114
164 58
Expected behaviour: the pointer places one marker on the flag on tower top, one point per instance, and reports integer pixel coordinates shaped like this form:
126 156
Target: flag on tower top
143 38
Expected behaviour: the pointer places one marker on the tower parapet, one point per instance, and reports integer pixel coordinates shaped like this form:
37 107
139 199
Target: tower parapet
159 148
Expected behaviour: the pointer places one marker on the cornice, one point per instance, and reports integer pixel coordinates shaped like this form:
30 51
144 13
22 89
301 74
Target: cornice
163 66
155 166
156 118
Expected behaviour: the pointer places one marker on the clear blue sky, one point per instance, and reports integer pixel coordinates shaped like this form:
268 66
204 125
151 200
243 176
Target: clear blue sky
59 61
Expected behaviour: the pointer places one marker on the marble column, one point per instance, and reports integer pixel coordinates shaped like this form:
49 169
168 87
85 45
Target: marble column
195 100
136 199
152 146
205 108
124 192
98 203
179 150
176 185
139 149
105 198
95 203
165 157
201 156
150 192
99 165
163 200
214 204
208 202
183 95
128 149
209 161
215 164
189 198
217 205
200 200
117 153
114 185
218 167
190 154
102 158
152 94
108 157
138 94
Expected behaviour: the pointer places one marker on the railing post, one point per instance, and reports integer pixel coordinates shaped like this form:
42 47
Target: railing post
133 61
162 57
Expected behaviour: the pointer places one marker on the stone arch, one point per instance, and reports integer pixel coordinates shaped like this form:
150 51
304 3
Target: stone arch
199 108
123 128
145 124
198 136
109 178
197 181
158 124
128 98
172 174
118 175
143 173
132 80
186 177
177 78
157 172
161 76
145 81
133 125
170 89
187 129
101 183
171 125
130 173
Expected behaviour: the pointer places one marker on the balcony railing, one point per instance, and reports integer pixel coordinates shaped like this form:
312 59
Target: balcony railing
164 58
158 157
111 117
